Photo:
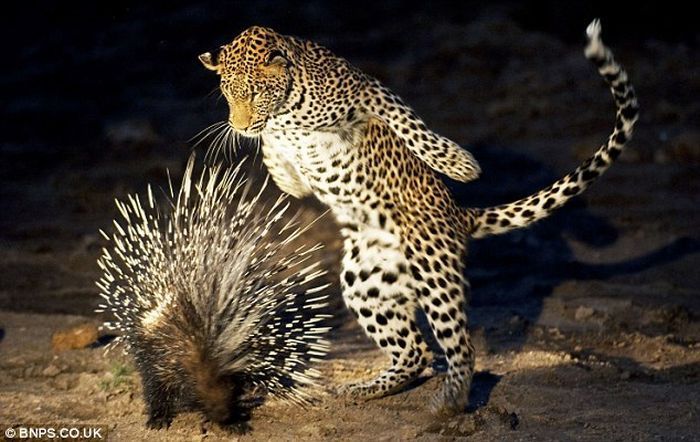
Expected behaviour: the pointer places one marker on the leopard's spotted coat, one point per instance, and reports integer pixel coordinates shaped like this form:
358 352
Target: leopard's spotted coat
329 130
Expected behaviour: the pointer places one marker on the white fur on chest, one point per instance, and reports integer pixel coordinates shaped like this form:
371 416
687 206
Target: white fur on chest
300 146
316 155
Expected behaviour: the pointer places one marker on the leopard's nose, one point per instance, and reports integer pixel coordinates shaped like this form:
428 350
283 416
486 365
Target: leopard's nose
240 116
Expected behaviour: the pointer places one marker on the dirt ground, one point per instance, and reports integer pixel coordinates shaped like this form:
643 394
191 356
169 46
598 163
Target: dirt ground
586 325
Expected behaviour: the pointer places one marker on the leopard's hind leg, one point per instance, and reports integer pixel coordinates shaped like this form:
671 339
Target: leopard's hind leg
378 289
436 248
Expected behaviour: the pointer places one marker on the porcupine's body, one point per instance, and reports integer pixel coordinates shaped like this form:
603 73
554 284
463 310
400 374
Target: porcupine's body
331 131
212 299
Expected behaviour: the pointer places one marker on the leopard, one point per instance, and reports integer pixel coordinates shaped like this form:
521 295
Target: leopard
328 130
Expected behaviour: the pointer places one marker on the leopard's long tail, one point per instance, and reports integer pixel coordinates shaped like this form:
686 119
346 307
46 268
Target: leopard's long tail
521 213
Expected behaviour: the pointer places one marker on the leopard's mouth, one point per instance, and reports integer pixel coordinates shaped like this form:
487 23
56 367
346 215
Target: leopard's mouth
257 127
252 131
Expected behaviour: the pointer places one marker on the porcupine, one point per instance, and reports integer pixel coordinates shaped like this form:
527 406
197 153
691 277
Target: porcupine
212 298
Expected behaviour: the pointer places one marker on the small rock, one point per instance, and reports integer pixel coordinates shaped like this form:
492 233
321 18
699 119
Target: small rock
555 333
62 382
76 337
51 371
583 313
517 324
625 375
516 320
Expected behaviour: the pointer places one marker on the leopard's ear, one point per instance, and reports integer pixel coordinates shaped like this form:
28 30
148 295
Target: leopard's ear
208 63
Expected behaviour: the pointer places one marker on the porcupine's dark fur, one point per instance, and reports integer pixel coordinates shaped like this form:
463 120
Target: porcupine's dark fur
212 300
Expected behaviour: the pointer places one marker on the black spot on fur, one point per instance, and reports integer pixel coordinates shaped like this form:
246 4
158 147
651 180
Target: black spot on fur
416 273
349 278
611 77
614 152
389 278
588 175
629 111
570 191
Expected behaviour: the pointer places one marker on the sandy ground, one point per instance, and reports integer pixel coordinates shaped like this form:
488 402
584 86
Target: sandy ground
586 325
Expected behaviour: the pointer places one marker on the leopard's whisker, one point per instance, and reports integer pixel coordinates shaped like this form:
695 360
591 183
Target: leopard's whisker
215 145
213 91
230 143
206 132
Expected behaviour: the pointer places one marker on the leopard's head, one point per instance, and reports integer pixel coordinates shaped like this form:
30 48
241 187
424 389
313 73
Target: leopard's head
256 77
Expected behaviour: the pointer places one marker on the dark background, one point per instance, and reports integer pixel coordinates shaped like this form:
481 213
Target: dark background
71 67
